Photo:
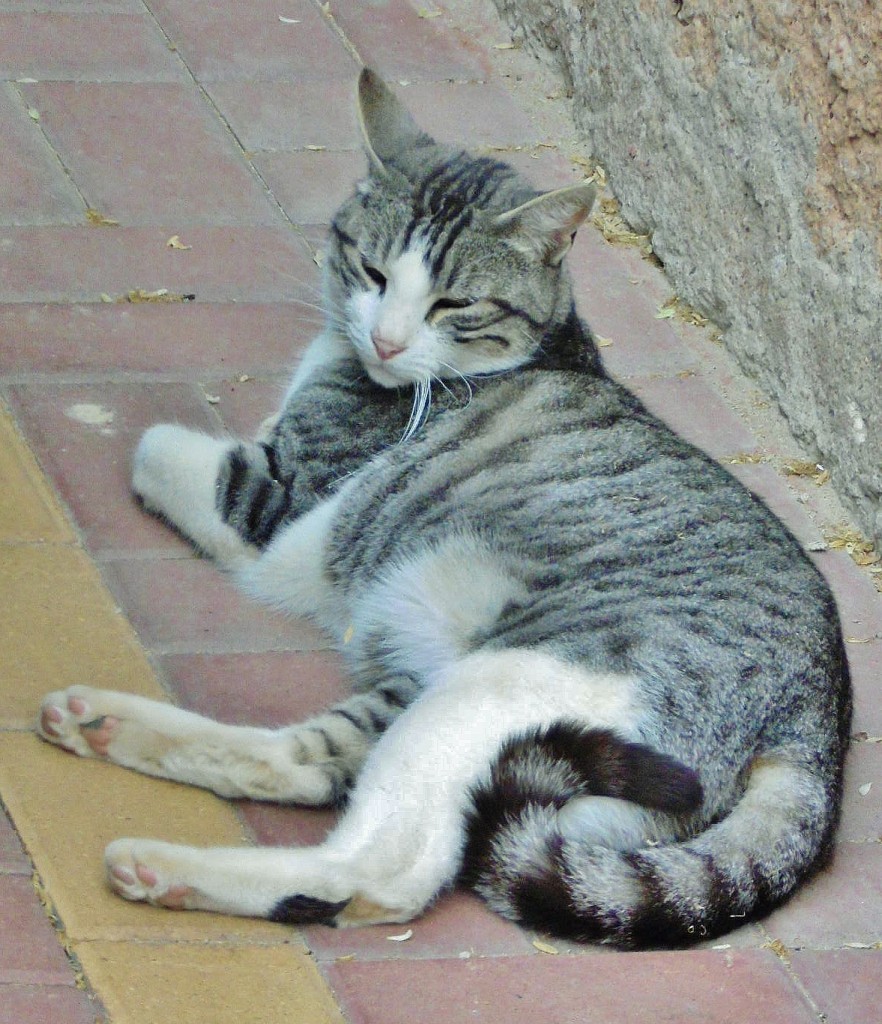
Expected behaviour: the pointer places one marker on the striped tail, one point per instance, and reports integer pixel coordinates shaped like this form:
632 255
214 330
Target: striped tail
778 834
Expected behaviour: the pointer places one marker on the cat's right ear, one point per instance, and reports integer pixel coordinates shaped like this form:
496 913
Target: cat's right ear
386 126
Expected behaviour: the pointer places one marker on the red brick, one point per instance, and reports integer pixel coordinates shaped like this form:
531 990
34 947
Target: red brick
469 114
290 115
190 340
244 406
45 1004
621 311
843 904
459 923
310 186
33 186
629 988
186 606
56 45
391 37
274 688
90 465
844 983
150 153
71 264
278 825
250 42
30 952
13 859
865 661
696 411
862 812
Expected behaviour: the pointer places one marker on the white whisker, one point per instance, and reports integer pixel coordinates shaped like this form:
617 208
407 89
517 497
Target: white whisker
422 399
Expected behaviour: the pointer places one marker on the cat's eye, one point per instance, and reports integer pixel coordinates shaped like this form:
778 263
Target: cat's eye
374 275
447 305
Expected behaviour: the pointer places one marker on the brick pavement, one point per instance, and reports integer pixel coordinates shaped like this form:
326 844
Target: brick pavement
225 125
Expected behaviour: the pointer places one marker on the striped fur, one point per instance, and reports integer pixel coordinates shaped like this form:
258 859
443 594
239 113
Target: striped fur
596 677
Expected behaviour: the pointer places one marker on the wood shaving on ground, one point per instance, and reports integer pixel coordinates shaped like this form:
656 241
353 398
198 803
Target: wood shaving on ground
545 947
779 949
603 342
813 470
403 937
676 307
865 789
843 537
864 737
175 243
424 12
608 221
99 220
137 295
745 459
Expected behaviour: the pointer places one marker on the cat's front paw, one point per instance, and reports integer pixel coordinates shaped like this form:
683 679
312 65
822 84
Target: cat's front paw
143 870
154 468
71 719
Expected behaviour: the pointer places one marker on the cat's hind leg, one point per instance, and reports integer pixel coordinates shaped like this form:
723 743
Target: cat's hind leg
314 762
401 840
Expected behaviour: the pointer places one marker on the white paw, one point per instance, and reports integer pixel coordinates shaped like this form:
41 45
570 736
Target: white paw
73 719
157 472
143 870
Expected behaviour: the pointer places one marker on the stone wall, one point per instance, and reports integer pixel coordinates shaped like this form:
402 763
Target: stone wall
746 137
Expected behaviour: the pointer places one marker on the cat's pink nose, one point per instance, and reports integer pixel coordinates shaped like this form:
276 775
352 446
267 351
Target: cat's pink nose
385 349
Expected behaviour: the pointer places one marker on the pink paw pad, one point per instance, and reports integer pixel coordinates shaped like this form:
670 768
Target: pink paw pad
99 732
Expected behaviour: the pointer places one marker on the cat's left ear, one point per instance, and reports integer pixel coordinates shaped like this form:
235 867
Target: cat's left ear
545 226
386 126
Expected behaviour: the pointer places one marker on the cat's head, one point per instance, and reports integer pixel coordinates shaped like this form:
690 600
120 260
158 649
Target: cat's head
443 264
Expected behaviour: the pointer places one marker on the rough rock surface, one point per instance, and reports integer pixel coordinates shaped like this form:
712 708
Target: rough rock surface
746 137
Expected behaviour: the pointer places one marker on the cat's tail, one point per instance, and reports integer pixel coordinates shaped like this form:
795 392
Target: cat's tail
547 876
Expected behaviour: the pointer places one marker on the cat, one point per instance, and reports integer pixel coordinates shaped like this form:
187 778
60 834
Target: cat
594 677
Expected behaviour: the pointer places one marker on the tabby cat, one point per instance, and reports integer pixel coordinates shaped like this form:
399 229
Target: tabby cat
595 678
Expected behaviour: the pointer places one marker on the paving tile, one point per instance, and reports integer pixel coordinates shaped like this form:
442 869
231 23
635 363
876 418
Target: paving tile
843 904
768 484
180 167
68 808
618 309
34 188
30 952
843 983
635 988
45 1004
274 688
60 626
96 45
457 927
290 115
865 661
244 406
29 511
192 984
862 811
13 859
420 51
255 45
85 436
311 186
188 607
276 825
226 264
191 340
493 118
74 6
691 407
